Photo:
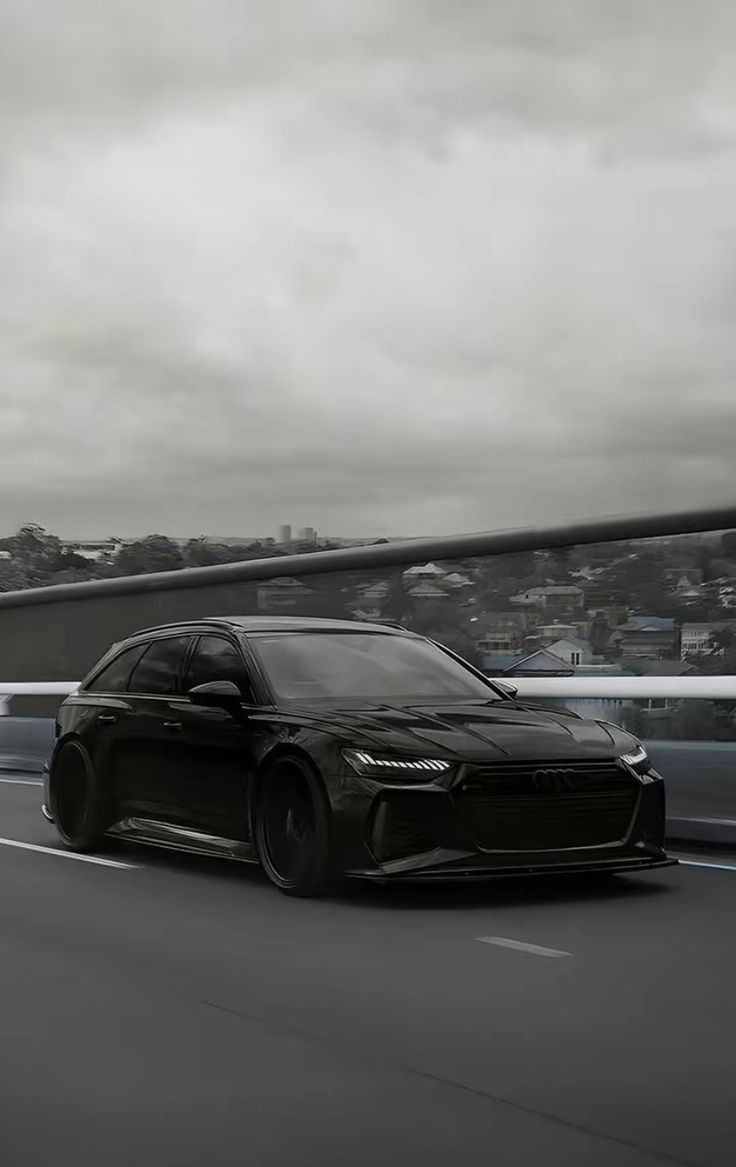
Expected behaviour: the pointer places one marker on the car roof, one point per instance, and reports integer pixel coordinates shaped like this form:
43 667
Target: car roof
253 624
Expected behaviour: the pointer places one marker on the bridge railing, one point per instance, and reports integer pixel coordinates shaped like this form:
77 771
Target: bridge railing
700 775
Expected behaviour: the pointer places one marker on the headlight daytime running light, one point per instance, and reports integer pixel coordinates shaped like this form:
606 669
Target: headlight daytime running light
371 765
638 759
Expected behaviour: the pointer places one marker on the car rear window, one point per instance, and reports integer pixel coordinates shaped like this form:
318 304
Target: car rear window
114 677
159 670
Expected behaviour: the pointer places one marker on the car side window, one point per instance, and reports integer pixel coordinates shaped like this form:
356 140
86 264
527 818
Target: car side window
158 671
216 659
114 677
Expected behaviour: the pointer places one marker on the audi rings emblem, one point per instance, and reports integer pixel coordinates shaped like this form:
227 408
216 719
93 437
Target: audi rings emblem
553 781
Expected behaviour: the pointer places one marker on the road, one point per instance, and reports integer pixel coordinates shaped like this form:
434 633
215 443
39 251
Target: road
179 1012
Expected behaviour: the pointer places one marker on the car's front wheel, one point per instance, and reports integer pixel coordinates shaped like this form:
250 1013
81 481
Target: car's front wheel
78 804
292 828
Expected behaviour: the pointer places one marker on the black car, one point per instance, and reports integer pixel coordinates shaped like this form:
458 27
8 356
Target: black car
325 748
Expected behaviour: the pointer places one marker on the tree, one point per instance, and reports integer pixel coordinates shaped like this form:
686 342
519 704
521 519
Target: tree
720 659
704 720
154 553
38 559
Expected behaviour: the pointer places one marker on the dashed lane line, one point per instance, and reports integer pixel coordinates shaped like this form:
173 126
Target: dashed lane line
66 854
522 946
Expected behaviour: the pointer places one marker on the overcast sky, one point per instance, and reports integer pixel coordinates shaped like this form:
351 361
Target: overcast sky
376 266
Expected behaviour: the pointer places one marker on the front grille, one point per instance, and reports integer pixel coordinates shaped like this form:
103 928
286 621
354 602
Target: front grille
546 806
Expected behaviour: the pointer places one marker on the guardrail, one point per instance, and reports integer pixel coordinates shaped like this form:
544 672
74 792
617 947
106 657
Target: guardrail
700 775
625 688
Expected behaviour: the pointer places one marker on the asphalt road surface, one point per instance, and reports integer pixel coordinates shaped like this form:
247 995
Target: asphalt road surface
178 1012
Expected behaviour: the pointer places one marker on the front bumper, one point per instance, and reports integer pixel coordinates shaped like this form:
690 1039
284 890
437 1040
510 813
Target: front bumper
424 836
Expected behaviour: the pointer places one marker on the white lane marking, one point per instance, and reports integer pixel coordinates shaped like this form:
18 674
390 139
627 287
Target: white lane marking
65 854
534 949
715 866
19 782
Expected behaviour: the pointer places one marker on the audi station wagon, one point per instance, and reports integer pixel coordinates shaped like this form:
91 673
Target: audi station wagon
327 749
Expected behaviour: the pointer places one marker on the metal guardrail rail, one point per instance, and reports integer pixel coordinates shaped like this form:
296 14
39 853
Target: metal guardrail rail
614 528
625 688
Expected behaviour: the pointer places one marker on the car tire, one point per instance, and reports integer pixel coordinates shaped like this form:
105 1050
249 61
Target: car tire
292 828
79 805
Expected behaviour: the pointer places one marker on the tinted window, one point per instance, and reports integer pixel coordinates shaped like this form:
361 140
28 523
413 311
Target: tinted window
158 670
114 677
364 665
215 659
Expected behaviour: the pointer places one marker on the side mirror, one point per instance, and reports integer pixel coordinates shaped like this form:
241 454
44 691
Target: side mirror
510 690
217 695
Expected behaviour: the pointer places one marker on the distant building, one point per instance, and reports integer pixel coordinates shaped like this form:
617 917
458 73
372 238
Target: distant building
553 597
501 632
276 594
653 637
572 651
285 534
679 577
495 664
424 589
307 535
697 638
540 663
94 549
456 580
431 570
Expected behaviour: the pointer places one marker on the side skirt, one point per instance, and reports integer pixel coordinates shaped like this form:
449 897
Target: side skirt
173 838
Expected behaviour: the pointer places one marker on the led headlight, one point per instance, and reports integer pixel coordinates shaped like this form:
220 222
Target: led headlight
638 759
370 765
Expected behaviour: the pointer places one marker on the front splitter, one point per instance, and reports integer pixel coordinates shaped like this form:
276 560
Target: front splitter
467 875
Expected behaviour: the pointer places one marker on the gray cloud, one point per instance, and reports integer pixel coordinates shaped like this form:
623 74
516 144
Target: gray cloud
376 267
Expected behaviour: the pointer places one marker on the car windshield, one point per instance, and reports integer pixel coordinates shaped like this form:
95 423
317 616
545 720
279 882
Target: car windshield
364 666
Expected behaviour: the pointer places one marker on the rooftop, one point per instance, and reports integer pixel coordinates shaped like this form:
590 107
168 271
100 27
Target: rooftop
649 624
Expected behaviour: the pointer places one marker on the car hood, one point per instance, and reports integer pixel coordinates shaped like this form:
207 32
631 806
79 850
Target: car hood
501 729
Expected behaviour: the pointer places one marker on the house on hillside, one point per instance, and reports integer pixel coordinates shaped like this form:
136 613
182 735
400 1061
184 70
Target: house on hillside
456 580
573 651
555 597
541 663
427 570
696 639
424 589
653 637
502 632
283 592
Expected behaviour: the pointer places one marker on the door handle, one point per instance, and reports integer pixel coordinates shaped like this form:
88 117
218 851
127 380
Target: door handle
107 719
172 725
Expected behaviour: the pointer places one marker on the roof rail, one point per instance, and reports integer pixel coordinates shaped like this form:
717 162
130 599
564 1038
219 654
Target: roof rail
180 624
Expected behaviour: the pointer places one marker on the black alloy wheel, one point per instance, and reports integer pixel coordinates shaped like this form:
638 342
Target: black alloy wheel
292 829
78 804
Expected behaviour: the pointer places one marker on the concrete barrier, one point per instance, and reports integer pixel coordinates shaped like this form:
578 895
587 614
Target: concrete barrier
25 744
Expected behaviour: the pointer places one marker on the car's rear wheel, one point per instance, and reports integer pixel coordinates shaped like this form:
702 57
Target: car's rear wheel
292 828
78 804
